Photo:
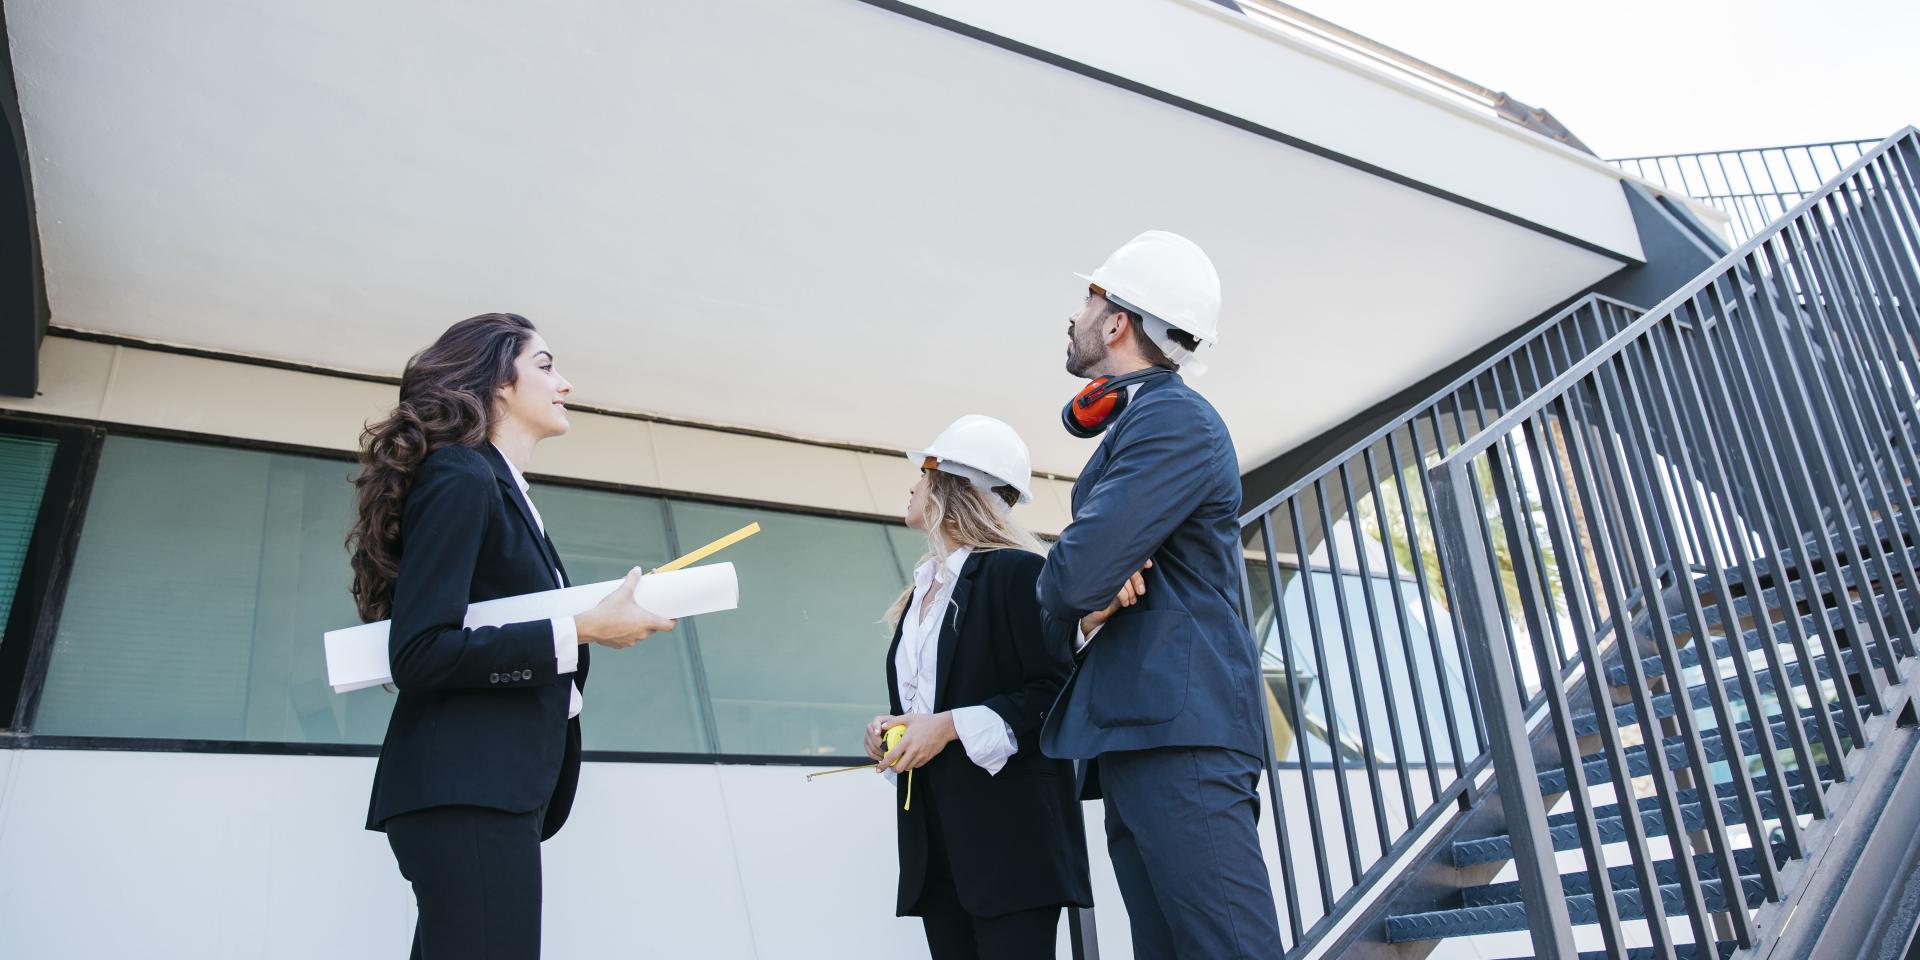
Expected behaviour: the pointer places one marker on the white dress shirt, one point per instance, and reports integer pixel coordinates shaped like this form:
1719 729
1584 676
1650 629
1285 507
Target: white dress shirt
987 739
566 635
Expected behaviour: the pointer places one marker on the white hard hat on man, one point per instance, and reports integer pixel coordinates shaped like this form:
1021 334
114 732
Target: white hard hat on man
983 451
1170 282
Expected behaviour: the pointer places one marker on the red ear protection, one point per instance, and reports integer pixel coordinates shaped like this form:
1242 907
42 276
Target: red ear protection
1100 402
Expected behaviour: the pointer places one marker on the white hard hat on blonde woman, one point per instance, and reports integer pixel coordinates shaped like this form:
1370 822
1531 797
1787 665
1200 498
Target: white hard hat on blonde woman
982 450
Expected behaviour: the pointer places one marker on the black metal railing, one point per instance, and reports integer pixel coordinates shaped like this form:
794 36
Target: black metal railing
1376 737
1733 474
1753 186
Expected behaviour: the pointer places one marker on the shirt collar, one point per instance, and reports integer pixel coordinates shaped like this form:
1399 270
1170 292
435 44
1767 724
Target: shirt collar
518 479
923 574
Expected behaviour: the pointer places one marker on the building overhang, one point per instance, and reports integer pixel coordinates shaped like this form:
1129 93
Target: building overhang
817 218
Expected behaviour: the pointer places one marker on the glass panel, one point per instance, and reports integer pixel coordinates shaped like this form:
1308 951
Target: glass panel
24 464
643 698
1436 680
203 581
799 668
909 547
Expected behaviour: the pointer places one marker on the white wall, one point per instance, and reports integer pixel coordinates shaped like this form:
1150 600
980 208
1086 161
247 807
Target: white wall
214 856
209 856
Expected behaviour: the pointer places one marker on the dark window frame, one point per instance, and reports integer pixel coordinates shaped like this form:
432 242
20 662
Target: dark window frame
91 436
27 642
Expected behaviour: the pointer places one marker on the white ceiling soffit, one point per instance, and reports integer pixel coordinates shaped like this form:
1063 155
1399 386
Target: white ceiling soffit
1202 53
814 217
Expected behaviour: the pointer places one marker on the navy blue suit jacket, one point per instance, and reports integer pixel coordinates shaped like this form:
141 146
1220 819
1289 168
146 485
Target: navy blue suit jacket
481 718
1177 669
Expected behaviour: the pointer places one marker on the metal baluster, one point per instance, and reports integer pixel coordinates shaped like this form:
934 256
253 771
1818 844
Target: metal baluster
1276 812
1326 695
1367 752
1406 640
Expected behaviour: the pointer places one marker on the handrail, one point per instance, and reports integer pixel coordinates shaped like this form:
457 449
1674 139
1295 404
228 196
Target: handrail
1532 405
1395 777
1752 186
1759 450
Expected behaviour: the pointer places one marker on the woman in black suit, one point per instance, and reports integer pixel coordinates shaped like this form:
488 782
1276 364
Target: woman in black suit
483 750
992 846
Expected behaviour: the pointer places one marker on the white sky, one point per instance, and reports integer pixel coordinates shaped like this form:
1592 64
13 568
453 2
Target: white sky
1634 77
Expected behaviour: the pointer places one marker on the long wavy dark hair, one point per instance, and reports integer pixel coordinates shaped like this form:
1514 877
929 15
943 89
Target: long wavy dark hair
446 397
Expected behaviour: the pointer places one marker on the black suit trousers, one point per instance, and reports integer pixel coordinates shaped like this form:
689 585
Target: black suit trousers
476 876
955 934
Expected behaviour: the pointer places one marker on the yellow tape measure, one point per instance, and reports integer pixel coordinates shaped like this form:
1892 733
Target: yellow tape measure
892 739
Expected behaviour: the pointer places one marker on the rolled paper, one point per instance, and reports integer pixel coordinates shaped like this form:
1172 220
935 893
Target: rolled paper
357 656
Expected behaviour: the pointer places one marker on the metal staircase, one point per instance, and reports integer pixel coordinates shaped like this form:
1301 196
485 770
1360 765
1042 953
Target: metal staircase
1611 644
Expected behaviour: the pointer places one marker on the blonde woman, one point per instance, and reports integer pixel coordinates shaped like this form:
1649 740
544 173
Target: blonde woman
992 846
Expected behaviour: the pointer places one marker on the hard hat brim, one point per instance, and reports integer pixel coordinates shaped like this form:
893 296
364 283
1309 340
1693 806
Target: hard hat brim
918 457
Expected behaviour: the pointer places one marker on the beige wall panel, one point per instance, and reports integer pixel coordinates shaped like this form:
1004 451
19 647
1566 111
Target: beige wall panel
889 479
608 449
241 400
73 379
1046 514
1063 493
754 468
152 388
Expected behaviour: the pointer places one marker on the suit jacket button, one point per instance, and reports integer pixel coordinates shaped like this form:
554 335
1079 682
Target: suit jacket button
495 678
526 674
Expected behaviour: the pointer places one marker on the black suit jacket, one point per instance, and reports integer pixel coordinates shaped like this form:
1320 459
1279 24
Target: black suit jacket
481 718
1016 839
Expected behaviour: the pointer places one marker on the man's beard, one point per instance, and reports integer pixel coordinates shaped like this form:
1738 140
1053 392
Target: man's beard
1084 354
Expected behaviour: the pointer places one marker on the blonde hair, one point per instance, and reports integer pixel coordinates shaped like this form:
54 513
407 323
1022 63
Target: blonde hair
960 513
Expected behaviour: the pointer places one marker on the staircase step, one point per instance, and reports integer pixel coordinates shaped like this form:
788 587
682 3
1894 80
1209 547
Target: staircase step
1665 872
1752 641
1681 951
1627 715
1564 828
1508 917
1729 804
1597 769
1566 835
1680 622
1885 532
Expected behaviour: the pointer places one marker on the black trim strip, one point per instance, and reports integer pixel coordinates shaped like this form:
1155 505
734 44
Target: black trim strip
73 469
23 637
23 281
1238 123
277 748
200 353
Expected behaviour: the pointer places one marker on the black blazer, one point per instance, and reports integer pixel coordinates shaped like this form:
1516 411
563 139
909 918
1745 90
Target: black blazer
1016 839
481 718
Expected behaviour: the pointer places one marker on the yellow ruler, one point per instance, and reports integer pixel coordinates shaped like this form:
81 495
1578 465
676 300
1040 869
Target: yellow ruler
712 548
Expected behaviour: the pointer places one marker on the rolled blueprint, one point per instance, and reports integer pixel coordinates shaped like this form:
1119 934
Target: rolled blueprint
357 656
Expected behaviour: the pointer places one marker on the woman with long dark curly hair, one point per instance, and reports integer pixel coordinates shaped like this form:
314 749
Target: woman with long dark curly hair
483 750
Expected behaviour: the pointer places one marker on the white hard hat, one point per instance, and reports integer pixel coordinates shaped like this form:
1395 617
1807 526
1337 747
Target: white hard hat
1169 279
984 451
